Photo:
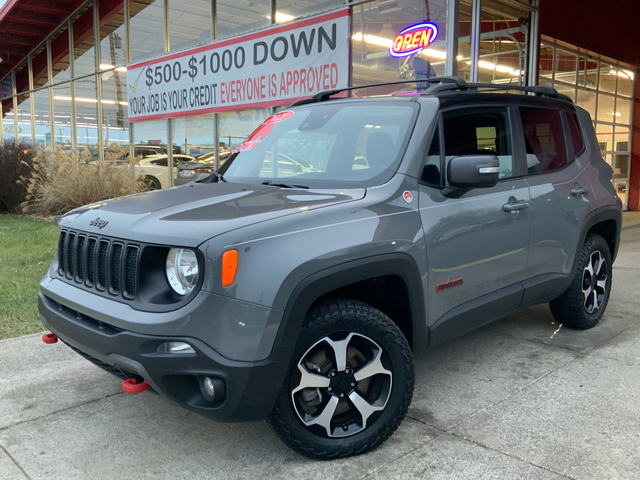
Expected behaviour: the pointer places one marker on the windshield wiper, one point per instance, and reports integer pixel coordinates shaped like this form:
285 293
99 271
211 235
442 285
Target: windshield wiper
283 185
219 177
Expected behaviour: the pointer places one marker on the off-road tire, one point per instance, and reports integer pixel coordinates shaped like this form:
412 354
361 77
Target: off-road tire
569 309
356 320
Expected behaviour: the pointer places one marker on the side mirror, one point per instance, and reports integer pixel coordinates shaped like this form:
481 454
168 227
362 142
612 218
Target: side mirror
473 171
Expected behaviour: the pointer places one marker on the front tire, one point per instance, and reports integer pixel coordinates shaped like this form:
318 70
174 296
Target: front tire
585 301
350 384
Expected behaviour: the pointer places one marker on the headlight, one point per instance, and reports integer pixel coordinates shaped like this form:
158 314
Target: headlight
182 270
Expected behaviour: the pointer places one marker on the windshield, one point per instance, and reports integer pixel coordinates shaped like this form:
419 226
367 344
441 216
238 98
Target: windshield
325 146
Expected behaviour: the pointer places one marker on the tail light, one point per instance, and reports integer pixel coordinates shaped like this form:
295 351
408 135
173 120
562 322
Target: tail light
202 170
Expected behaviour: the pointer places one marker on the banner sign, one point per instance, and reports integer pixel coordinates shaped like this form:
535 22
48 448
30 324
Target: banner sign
269 68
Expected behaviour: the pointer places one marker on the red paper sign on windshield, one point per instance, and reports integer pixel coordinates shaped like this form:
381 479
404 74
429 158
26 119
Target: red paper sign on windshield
263 130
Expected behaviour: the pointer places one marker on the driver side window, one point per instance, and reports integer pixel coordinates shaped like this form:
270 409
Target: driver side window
479 131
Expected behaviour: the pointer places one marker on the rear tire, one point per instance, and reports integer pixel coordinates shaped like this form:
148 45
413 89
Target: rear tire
584 302
350 384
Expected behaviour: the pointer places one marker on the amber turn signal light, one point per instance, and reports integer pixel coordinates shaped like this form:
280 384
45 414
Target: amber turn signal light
229 267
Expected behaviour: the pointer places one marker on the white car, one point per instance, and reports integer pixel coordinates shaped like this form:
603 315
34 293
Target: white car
155 169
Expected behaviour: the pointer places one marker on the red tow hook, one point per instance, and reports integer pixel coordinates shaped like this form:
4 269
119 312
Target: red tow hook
131 386
49 338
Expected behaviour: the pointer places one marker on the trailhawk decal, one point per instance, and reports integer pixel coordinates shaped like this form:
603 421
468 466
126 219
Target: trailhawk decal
450 284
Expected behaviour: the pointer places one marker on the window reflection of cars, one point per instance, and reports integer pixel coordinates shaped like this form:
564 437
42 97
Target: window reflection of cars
155 169
287 166
201 167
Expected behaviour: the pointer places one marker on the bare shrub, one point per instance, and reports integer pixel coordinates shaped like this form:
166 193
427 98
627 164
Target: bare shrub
61 181
16 161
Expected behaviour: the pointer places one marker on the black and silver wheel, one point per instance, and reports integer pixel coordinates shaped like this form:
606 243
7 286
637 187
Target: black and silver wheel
584 302
350 384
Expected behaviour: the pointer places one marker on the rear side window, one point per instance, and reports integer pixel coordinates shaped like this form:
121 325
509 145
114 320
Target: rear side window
480 131
575 133
544 139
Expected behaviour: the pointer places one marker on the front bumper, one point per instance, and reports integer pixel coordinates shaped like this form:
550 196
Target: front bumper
250 387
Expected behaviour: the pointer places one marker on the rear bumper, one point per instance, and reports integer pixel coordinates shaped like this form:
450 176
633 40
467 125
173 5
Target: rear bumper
250 387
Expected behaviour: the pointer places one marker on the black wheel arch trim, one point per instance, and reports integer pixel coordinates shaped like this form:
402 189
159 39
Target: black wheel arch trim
599 215
332 278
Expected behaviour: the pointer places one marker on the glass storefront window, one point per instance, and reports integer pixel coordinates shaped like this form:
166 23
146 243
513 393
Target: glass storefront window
62 112
41 116
189 23
625 82
622 139
587 100
238 17
24 118
193 136
150 140
374 28
606 108
235 127
608 78
620 161
623 111
545 61
60 62
590 73
604 134
84 58
146 28
115 123
287 10
8 125
464 40
113 38
86 114
503 48
566 64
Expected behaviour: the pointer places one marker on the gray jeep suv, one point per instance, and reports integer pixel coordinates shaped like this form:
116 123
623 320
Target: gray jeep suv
299 290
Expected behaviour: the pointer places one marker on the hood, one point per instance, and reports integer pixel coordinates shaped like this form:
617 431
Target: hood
190 214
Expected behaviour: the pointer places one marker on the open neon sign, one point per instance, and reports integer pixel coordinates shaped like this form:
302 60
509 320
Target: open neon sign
413 39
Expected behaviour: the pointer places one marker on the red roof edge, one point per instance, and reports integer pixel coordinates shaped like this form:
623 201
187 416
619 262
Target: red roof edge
6 8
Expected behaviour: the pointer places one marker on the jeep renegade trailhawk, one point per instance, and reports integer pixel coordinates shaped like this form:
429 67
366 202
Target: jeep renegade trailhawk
340 239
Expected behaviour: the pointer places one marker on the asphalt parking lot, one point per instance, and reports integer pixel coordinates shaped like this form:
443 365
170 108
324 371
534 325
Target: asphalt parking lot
519 399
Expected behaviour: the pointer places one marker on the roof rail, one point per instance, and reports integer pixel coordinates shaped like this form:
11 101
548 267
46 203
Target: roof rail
456 83
445 84
324 96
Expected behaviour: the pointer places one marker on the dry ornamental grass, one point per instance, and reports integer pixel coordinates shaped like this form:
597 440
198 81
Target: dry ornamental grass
61 181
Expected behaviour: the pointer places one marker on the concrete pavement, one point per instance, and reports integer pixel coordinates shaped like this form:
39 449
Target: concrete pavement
519 399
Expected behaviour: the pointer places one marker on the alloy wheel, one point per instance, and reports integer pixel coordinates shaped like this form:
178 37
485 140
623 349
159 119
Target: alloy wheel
594 282
343 384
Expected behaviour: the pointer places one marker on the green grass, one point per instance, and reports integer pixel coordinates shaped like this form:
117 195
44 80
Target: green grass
27 247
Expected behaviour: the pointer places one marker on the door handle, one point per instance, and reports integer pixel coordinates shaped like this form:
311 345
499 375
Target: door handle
577 191
514 207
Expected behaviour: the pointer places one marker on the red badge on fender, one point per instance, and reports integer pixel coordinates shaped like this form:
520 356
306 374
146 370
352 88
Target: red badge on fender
407 196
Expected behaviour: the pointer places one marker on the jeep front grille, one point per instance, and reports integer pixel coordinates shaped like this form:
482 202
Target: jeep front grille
99 263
